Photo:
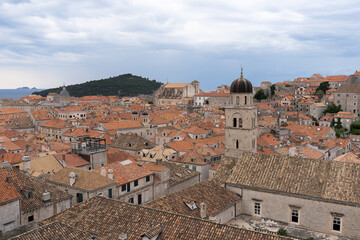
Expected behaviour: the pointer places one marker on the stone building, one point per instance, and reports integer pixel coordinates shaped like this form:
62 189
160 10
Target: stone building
348 96
174 93
83 184
25 200
93 150
54 128
312 194
220 98
241 118
110 219
134 183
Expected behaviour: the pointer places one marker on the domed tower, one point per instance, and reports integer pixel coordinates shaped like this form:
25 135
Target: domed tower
241 119
64 96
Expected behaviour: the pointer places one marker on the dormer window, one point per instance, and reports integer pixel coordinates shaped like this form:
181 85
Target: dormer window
192 160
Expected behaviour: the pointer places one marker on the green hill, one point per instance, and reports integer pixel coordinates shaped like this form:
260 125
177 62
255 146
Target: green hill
122 85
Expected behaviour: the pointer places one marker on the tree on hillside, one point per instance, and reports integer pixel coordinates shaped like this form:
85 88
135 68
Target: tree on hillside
338 124
355 128
122 85
272 90
332 108
260 95
324 86
320 94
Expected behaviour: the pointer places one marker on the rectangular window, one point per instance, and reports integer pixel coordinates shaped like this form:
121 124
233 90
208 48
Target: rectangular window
123 188
131 200
31 218
139 199
295 215
79 197
194 168
257 208
136 183
110 193
128 187
147 178
337 224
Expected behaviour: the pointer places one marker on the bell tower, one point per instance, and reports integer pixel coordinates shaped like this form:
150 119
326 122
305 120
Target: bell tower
241 119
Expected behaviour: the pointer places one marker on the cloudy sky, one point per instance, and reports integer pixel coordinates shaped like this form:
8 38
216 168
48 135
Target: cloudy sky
46 43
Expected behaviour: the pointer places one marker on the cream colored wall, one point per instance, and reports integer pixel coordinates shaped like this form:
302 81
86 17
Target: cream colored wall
226 215
10 212
192 181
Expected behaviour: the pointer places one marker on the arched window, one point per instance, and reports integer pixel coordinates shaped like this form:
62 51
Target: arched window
234 122
245 100
240 123
237 144
237 100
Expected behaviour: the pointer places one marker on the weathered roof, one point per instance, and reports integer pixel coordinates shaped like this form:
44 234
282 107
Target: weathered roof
23 183
348 157
215 197
132 142
43 165
108 218
125 171
176 85
349 88
86 179
324 179
55 230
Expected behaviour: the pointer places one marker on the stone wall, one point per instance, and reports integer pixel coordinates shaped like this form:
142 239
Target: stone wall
315 215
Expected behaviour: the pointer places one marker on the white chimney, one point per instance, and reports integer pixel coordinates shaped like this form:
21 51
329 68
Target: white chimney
110 174
72 176
202 210
26 162
46 196
122 236
103 171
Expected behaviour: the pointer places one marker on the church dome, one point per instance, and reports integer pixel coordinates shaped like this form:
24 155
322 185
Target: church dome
241 85
64 92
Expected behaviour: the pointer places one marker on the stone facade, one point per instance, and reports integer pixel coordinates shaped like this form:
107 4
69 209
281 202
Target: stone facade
10 215
240 125
173 93
348 96
312 213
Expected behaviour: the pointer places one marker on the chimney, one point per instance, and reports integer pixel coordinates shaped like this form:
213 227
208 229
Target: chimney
158 161
202 210
26 162
140 162
9 179
46 196
122 236
103 171
72 176
111 174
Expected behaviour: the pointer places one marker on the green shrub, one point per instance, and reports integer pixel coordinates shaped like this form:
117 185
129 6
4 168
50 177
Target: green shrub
282 232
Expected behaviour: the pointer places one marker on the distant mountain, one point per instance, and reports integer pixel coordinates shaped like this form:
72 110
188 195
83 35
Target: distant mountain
23 88
122 85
